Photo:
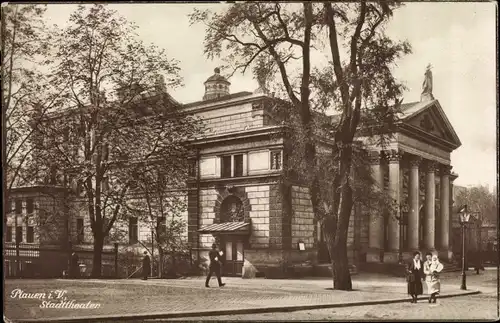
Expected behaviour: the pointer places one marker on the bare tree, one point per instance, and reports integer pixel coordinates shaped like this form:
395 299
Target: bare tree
358 84
25 47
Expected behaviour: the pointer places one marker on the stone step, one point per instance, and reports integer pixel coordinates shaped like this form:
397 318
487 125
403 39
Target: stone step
398 270
325 270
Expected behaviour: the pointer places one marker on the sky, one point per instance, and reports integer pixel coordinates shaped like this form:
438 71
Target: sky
457 38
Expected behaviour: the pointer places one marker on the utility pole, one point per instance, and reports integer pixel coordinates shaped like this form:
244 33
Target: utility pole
479 240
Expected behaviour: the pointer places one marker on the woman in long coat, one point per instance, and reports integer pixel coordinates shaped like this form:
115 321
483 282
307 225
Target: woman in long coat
432 271
414 276
146 266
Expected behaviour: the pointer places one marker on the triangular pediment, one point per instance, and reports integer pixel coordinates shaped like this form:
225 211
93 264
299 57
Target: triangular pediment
429 118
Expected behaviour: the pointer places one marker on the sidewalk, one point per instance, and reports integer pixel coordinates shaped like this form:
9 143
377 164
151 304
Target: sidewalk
153 299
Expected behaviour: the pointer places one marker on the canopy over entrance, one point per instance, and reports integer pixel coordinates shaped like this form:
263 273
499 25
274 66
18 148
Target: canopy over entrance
226 228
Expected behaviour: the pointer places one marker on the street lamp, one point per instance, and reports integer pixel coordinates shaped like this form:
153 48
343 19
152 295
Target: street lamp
402 218
464 217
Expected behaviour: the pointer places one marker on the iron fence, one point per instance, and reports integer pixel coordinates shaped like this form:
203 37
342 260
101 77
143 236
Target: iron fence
29 260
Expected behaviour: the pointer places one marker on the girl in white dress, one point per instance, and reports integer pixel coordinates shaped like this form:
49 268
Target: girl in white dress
432 271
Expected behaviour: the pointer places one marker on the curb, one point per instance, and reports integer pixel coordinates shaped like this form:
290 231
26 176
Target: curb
270 309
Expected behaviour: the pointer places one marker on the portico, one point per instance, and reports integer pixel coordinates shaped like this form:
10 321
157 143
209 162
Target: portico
415 171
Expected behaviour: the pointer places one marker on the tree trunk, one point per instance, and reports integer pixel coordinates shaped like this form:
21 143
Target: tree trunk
340 263
97 259
160 261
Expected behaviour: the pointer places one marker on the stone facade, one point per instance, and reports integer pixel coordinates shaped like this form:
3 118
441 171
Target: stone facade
238 182
302 217
258 197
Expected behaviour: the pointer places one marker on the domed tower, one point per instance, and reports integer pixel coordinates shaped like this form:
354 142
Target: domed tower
216 86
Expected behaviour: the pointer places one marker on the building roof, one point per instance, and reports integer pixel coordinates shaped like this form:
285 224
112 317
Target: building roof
217 77
227 227
223 98
412 107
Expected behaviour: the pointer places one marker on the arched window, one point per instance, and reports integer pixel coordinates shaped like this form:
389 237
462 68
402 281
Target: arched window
232 210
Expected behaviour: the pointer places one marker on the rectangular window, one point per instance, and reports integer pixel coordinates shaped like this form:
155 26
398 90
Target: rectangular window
161 224
30 206
9 206
9 234
133 230
192 168
238 165
105 152
66 135
53 175
105 184
275 160
19 234
226 166
19 206
30 235
79 230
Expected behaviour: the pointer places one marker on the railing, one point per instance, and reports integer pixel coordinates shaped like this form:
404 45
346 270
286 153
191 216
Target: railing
26 260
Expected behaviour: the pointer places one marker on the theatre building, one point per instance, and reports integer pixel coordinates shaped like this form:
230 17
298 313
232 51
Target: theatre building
235 198
237 202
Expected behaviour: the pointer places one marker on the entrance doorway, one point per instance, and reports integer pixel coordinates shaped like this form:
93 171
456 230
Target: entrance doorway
233 256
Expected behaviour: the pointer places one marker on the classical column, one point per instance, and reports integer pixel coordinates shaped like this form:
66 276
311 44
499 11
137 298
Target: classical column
453 216
445 207
376 224
394 158
414 199
430 202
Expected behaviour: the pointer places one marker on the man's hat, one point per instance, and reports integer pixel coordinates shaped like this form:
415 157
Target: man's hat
214 246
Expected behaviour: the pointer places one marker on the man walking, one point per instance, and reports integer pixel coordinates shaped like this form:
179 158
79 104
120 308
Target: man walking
146 266
215 266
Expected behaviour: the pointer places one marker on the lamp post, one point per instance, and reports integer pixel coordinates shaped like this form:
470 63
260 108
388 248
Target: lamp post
464 217
401 217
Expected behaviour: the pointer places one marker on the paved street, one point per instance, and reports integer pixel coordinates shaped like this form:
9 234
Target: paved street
132 297
475 307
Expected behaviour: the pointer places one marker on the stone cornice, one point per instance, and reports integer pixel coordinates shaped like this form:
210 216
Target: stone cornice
229 136
203 106
269 178
426 137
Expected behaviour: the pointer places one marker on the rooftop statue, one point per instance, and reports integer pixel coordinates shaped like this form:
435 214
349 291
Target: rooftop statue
427 85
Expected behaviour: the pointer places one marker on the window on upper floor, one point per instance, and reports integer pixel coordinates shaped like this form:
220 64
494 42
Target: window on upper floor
8 237
275 160
9 206
161 224
225 166
79 230
238 165
191 168
19 206
30 206
65 136
105 184
19 233
53 175
30 235
232 166
133 230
